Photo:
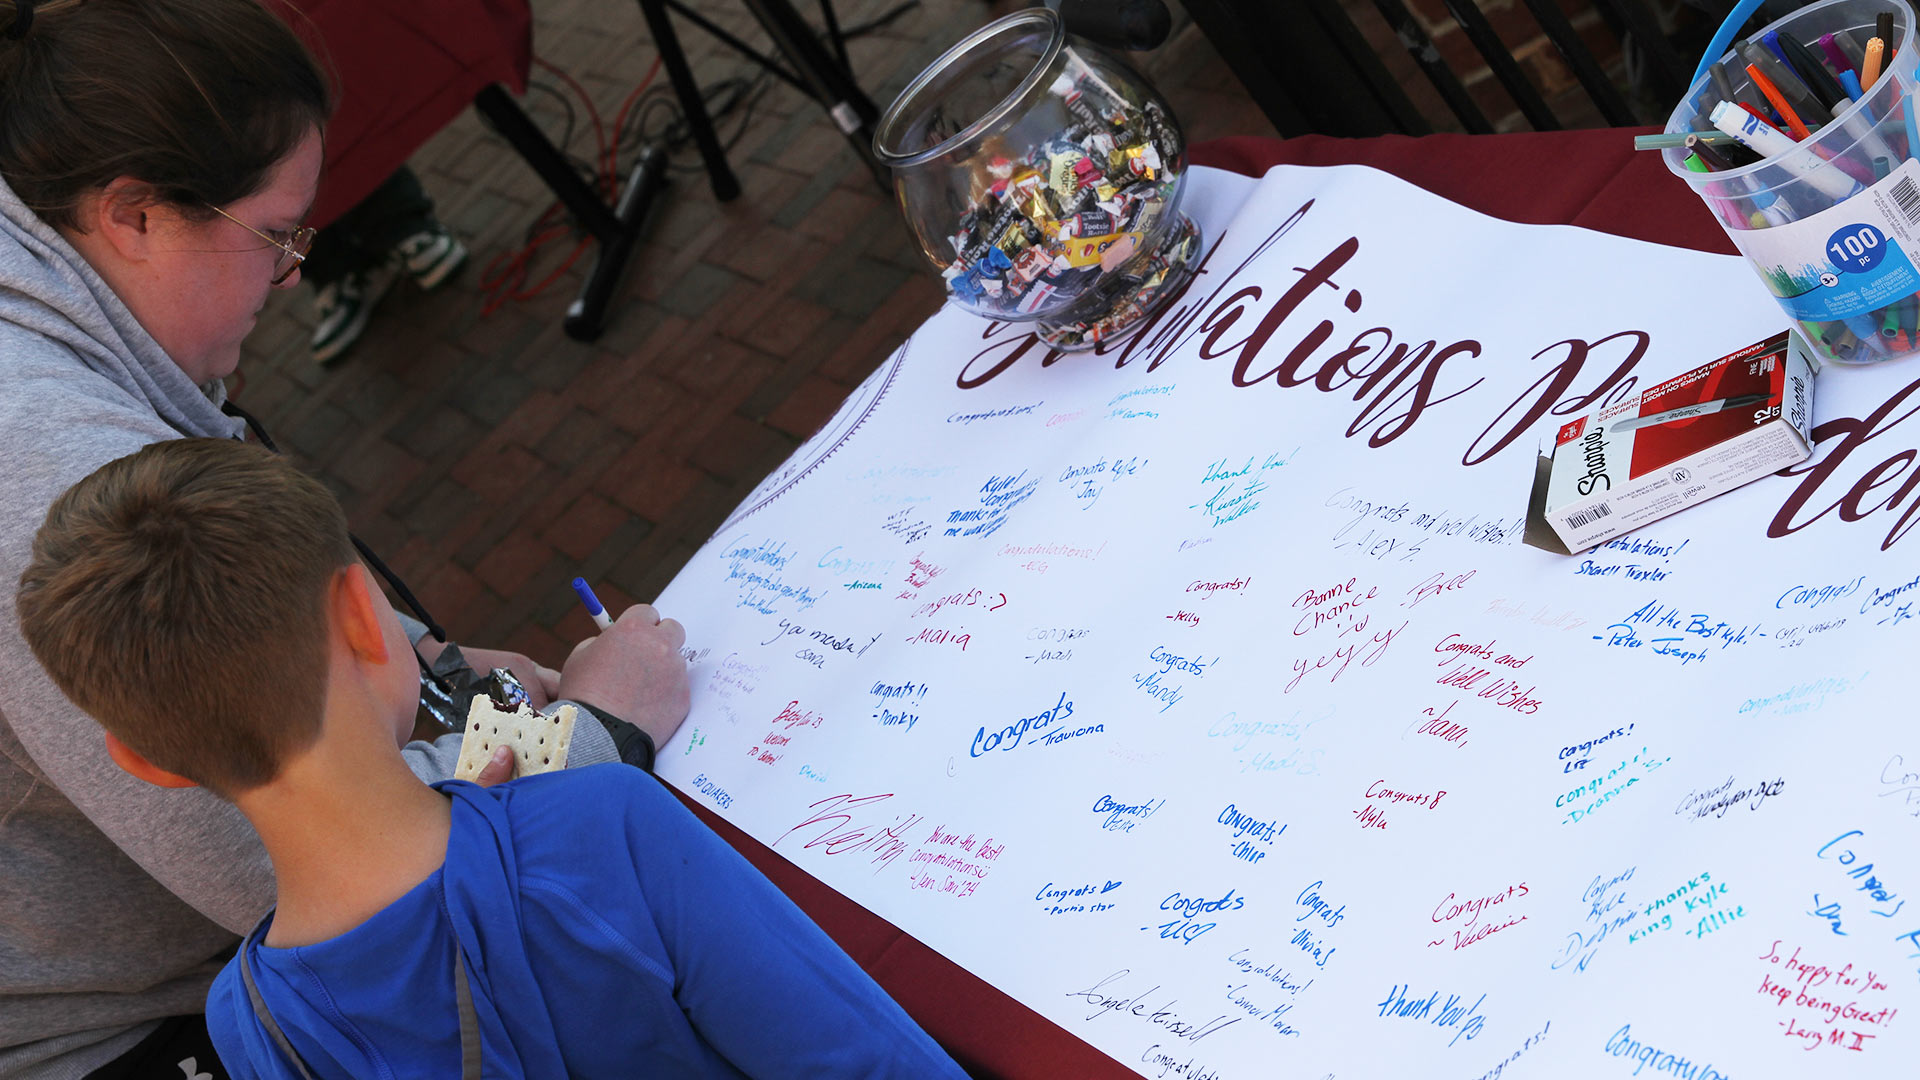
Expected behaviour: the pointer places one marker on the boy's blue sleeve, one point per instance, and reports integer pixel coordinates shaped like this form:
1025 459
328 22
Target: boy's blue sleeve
759 980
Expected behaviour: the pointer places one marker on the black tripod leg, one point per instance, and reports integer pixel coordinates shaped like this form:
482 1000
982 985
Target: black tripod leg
527 140
725 185
587 315
615 231
830 84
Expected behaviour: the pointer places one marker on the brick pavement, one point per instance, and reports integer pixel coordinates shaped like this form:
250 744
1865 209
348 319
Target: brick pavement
490 459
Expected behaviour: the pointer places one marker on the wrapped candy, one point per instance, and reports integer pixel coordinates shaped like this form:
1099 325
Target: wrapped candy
1065 211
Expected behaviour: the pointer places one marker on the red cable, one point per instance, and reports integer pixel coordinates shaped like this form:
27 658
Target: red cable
505 275
599 130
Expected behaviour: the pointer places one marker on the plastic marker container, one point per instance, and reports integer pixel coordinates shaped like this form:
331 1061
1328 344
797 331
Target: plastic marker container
1831 223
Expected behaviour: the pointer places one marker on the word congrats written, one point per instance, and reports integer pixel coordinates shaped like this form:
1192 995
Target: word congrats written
1646 1055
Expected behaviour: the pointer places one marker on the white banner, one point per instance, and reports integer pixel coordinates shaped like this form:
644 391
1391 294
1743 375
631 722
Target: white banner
1200 694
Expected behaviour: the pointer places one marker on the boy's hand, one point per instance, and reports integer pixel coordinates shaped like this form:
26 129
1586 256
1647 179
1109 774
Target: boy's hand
499 769
634 671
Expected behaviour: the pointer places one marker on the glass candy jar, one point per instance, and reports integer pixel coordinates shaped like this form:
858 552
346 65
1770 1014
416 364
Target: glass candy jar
1042 177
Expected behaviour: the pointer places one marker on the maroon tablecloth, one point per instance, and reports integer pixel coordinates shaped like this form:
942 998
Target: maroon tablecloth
1593 179
400 72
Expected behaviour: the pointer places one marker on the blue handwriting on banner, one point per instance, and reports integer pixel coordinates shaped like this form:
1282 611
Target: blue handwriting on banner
1118 409
1234 486
1582 802
1247 829
1010 737
1122 817
754 570
1295 753
1645 1055
1607 913
1892 603
1452 1013
895 703
1645 549
1806 697
1070 899
1089 480
1185 925
965 419
998 496
1882 900
1684 636
1812 597
848 566
1151 682
1577 756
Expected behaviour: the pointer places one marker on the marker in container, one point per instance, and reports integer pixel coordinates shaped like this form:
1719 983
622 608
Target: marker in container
1788 83
1688 412
1769 209
1668 139
1851 84
1769 142
1723 85
592 603
1867 331
1779 102
1837 56
1721 141
1811 71
1708 154
1855 46
1771 39
1863 132
1870 70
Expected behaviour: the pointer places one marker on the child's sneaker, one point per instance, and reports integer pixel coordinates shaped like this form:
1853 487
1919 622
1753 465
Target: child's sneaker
341 309
431 256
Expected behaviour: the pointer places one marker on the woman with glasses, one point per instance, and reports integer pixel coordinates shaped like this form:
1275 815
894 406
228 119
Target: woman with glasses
157 158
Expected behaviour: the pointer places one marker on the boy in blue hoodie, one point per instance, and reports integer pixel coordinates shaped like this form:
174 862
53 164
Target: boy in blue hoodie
200 598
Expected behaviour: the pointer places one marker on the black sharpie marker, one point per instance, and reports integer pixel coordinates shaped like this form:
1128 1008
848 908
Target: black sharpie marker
1690 411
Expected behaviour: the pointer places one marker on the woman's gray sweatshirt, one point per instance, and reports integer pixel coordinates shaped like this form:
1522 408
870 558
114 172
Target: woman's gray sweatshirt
119 901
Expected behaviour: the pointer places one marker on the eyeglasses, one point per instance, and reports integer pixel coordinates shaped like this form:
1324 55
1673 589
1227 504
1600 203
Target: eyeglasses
293 250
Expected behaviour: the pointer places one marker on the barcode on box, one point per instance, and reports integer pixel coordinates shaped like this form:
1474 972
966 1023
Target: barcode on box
1907 194
1588 516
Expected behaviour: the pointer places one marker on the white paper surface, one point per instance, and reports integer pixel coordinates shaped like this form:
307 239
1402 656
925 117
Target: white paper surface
1230 726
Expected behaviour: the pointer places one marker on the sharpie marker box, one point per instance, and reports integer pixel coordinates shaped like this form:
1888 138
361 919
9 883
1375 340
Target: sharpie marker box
1677 444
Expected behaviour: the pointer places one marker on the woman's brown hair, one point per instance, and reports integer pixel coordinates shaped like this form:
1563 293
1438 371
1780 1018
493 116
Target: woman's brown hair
198 99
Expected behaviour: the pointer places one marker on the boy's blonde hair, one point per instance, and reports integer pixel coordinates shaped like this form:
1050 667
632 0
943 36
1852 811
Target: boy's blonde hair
179 595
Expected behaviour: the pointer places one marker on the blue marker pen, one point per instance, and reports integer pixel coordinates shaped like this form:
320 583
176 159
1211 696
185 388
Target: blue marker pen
592 603
1772 41
1851 84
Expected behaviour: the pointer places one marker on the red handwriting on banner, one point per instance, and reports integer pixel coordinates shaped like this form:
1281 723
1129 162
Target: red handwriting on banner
1437 585
1367 651
1453 908
1840 1008
951 864
1337 605
773 745
1437 725
854 825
